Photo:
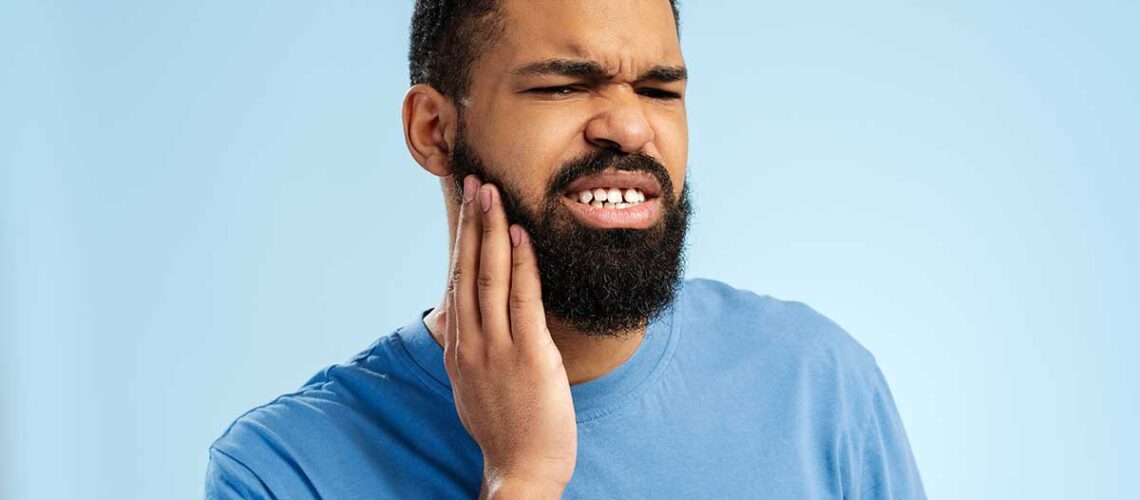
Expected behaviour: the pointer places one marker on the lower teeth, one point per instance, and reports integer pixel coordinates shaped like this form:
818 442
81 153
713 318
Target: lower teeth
598 204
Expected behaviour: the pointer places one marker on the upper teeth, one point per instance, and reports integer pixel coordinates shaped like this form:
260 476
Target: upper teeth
611 198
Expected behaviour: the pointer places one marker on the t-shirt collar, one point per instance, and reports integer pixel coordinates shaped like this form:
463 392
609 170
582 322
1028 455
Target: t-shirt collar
592 399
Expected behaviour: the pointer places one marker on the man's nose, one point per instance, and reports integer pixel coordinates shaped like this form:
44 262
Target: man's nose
621 125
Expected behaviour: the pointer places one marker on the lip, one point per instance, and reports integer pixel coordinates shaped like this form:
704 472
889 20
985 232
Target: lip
621 179
638 216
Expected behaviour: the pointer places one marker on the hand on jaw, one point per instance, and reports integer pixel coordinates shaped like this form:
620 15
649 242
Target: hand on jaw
510 386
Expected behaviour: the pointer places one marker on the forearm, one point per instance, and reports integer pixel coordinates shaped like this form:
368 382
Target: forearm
509 489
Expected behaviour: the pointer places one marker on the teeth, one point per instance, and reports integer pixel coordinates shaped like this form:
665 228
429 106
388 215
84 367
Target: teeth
614 195
632 195
611 198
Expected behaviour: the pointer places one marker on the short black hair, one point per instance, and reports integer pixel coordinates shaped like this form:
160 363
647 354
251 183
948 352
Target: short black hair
447 36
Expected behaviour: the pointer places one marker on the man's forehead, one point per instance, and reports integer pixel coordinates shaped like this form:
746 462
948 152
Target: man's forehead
620 35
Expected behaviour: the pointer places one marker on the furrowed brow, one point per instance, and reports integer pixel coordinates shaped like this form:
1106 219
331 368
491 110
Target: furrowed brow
665 74
591 70
564 67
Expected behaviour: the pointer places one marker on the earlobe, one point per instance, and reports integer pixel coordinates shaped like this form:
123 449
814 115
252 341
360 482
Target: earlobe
429 122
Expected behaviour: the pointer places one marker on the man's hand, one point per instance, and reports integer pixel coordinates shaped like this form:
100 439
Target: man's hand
510 387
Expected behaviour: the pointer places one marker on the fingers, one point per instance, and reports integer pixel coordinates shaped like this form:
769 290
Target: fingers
495 292
450 332
464 326
528 318
494 280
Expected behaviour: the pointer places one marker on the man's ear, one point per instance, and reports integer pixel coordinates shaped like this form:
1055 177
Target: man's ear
429 128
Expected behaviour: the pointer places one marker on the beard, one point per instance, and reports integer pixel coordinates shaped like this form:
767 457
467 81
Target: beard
600 282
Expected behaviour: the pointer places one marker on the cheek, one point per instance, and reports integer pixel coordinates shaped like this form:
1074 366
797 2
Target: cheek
672 143
532 145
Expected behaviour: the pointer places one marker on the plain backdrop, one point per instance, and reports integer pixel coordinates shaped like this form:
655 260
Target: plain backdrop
204 203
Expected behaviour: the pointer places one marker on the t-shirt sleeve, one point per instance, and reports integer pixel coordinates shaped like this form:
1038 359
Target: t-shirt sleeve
888 469
229 479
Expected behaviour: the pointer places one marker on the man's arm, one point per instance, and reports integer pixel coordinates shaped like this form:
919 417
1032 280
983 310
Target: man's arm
229 479
520 490
888 469
511 390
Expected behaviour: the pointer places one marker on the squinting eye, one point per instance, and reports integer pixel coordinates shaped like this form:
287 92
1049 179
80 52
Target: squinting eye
658 93
562 91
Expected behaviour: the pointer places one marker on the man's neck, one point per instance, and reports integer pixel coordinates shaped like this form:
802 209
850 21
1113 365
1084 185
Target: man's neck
585 358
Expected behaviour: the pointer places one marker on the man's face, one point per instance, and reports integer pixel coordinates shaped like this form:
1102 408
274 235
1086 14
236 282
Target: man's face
530 123
570 89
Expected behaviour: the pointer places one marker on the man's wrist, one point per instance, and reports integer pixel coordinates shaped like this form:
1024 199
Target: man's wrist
520 489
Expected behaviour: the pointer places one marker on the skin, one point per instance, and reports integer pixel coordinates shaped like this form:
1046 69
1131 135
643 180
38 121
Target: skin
511 366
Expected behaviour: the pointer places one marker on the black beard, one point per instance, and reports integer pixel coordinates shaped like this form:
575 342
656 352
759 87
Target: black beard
601 282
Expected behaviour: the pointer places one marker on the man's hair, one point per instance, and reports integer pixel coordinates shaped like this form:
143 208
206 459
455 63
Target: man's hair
447 36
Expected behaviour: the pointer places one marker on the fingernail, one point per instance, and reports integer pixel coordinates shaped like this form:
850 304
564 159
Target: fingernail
516 235
485 199
469 188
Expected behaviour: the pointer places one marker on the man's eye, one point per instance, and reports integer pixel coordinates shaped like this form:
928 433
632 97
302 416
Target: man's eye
561 91
658 93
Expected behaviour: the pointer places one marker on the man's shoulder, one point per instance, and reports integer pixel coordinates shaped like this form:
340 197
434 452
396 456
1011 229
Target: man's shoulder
786 328
375 411
339 398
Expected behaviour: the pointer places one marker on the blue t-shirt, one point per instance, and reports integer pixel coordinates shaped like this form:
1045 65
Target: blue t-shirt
729 395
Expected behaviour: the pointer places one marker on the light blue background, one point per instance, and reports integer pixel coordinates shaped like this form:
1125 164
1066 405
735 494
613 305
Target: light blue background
203 203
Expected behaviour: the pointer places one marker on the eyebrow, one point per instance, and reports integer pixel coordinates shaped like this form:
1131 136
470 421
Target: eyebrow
581 68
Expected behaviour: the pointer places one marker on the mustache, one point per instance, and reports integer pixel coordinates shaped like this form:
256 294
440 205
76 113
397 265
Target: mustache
602 160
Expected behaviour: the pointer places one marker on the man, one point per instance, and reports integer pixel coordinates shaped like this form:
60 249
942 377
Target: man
567 357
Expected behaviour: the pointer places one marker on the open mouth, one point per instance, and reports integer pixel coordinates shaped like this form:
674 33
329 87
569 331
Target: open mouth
614 189
614 199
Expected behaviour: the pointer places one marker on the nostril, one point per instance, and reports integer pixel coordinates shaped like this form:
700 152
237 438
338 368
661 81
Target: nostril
608 144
